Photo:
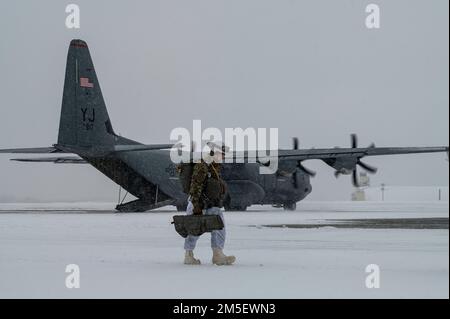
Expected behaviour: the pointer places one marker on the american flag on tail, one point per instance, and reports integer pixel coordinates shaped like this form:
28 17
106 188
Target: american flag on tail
84 82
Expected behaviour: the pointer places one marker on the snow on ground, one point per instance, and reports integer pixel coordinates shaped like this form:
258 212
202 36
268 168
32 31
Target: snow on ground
140 255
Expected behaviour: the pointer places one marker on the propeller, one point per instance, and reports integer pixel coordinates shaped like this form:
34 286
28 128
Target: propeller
295 146
368 168
305 170
295 143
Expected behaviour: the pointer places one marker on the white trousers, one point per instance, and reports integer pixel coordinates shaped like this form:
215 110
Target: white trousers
217 236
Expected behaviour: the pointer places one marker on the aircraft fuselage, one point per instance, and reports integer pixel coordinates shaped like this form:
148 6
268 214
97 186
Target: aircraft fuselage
152 177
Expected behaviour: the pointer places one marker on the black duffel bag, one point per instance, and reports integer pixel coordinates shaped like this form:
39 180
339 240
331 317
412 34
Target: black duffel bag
196 225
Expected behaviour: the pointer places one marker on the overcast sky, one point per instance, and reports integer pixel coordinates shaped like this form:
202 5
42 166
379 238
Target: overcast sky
310 68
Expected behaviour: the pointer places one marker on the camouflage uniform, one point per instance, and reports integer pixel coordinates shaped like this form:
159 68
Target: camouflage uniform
207 187
203 176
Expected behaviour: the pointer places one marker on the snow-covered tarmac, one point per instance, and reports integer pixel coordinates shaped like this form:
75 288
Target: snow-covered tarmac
140 255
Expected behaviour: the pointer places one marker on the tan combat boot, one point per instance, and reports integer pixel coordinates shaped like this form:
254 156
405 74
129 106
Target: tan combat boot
220 259
189 258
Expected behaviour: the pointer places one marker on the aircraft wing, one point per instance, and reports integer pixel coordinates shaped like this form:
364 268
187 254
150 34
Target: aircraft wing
55 160
333 153
343 160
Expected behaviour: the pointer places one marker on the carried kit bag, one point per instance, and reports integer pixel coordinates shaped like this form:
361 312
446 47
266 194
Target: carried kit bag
196 225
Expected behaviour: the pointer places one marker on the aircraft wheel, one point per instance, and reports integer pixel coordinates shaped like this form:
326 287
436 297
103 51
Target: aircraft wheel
290 206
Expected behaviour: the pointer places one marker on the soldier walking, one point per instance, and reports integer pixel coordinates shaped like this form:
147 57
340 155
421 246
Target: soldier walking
206 196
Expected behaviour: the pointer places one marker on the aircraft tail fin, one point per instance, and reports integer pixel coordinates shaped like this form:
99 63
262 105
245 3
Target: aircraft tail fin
85 127
84 119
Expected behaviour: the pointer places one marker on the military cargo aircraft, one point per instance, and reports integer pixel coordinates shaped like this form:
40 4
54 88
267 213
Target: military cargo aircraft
147 172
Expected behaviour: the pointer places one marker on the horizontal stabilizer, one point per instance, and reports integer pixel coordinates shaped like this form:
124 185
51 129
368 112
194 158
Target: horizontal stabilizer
101 150
55 160
139 147
32 150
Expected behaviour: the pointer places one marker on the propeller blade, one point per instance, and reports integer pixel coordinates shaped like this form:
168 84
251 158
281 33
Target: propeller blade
306 170
367 167
295 143
294 179
354 140
355 178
